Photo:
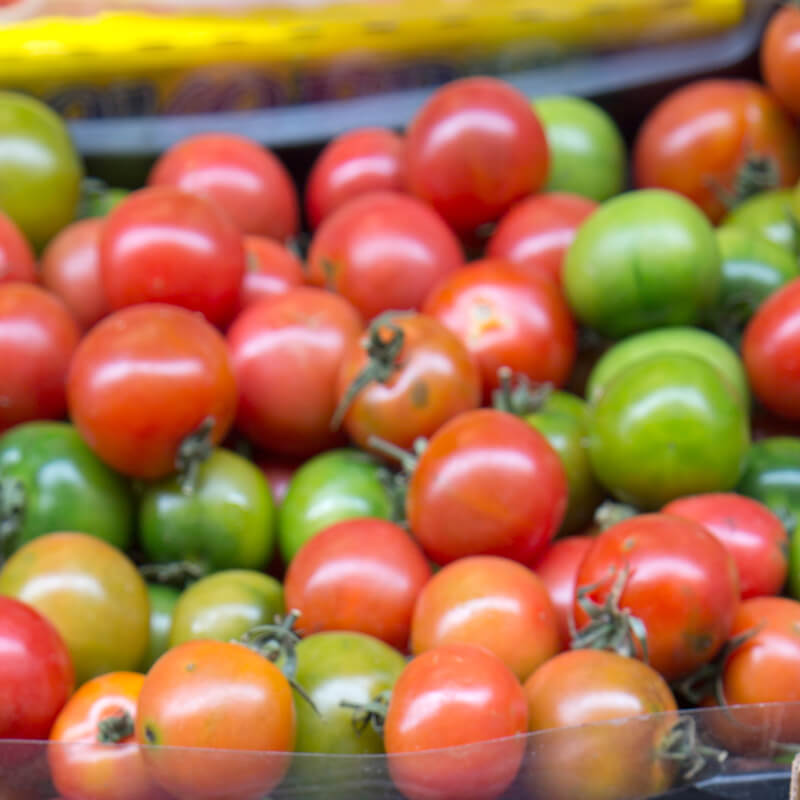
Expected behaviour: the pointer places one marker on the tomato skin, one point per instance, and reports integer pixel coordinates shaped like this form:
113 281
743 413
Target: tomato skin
143 379
752 534
271 269
486 484
703 133
505 318
223 674
36 672
82 767
355 163
286 355
473 149
361 575
688 619
383 251
769 215
469 696
780 57
162 608
246 180
17 261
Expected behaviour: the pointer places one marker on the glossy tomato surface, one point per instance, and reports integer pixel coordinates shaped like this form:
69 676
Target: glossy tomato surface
780 57
271 269
162 605
768 214
17 261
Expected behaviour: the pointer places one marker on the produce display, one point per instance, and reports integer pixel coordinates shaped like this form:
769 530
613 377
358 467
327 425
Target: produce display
490 431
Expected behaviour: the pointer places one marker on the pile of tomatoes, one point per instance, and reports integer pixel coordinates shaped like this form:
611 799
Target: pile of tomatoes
509 443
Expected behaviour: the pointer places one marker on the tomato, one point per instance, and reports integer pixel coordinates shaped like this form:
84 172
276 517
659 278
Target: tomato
271 269
753 535
17 261
667 426
576 691
536 233
383 251
491 602
486 484
82 764
505 318
286 355
771 475
98 199
279 474
144 379
717 142
469 696
247 181
40 168
162 608
161 245
360 575
679 340
90 592
246 708
331 487
50 480
672 575
473 149
613 288
780 57
227 520
226 605
768 214
357 162
425 376
71 270
36 673
557 568
587 152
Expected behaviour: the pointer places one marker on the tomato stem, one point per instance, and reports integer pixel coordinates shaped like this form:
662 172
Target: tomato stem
372 713
192 452
12 513
113 729
682 744
174 573
758 173
518 394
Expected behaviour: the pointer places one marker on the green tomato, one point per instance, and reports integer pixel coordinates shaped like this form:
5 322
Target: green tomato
40 172
98 200
227 522
689 341
668 426
643 260
331 487
225 605
770 216
587 151
51 481
162 607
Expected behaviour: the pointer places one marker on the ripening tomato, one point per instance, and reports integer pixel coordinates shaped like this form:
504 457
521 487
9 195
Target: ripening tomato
717 142
451 696
780 57
271 269
161 245
246 180
536 233
357 162
383 251
17 262
506 318
146 378
473 150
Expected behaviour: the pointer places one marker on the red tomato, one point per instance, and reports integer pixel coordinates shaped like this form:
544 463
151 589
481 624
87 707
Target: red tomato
474 149
491 602
278 474
455 695
698 140
286 354
17 261
536 233
558 569
36 673
144 379
82 764
780 57
753 535
38 337
769 349
428 380
486 484
272 269
71 270
681 584
214 695
359 575
360 161
383 251
163 245
507 319
246 180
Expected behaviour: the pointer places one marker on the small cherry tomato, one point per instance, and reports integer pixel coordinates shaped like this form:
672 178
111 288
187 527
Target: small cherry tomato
780 57
271 269
162 607
769 215
17 261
